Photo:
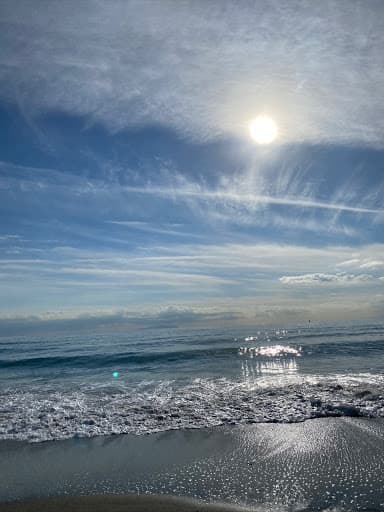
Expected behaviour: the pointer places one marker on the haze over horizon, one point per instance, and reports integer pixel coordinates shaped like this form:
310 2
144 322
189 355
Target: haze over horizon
131 193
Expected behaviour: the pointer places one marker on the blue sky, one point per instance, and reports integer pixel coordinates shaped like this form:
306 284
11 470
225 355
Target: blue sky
131 194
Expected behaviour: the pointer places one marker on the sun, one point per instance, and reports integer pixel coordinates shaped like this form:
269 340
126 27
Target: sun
263 130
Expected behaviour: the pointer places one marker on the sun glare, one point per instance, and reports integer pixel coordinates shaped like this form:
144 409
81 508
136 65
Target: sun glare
263 130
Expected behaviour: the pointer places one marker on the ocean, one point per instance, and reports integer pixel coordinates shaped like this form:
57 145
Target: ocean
60 387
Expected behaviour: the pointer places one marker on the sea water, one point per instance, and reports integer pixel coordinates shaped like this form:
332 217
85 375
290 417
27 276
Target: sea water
57 387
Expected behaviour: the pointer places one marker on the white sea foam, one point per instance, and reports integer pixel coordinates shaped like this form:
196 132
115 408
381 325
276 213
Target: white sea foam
40 415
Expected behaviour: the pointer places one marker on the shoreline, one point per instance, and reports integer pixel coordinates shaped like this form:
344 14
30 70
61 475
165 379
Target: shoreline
47 416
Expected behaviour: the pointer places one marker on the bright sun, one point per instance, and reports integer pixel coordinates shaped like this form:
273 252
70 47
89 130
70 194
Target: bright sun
263 130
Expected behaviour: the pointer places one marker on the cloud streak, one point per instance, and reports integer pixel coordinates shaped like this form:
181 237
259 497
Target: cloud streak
320 278
162 229
250 199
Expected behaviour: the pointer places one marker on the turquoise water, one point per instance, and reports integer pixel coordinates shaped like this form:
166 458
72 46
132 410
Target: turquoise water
64 386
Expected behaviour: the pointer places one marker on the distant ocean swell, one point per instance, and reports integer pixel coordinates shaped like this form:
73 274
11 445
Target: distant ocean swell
367 348
43 414
119 359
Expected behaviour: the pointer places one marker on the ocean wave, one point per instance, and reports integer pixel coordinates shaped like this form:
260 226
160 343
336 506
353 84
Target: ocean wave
42 414
130 358
117 359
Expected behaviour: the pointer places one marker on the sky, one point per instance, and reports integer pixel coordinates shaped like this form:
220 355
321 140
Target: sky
131 192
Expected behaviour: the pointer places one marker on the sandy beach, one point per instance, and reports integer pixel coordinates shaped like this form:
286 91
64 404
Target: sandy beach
128 503
312 465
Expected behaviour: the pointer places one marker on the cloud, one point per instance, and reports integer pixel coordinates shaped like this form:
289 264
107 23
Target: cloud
158 228
202 68
7 238
229 314
319 278
235 277
249 200
191 72
349 263
198 210
105 321
190 262
373 264
145 277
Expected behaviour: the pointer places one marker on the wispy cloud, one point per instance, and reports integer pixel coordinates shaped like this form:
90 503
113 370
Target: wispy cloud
373 264
138 277
197 209
349 263
282 58
251 200
8 238
340 278
362 263
159 228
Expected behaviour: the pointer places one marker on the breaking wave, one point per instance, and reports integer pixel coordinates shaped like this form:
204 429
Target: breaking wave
40 414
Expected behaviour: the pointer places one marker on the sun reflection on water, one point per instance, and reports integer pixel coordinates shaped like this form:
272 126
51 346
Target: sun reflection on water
268 360
251 369
271 351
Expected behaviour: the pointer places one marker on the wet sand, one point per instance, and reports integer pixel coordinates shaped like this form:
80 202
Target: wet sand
314 465
117 504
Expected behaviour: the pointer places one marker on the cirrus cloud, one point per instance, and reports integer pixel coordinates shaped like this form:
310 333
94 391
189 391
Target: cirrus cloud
201 68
